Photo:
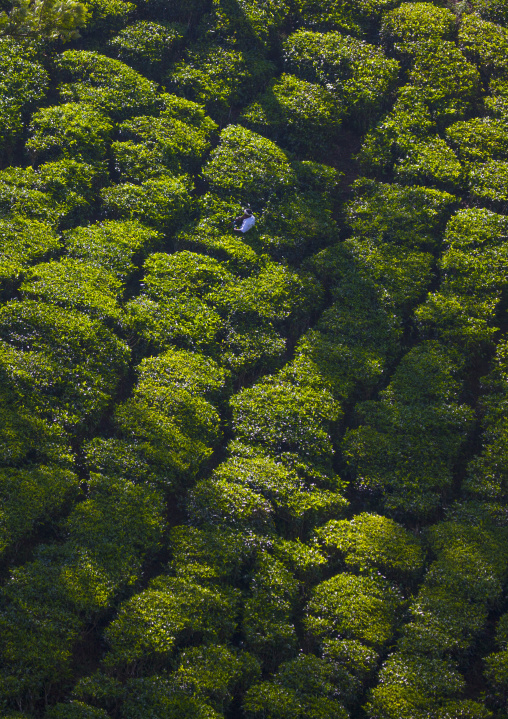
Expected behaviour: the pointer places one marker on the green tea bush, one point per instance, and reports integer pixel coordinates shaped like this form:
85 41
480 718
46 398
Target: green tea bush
172 611
488 183
363 608
75 710
76 285
107 16
64 366
305 415
414 21
297 505
487 473
348 18
248 167
371 541
398 275
170 422
178 145
268 612
406 448
464 581
31 496
108 85
413 217
251 24
162 203
301 115
220 77
405 142
213 554
23 85
73 130
360 75
479 140
446 81
109 536
485 43
413 686
23 243
473 271
115 246
147 46
304 686
61 192
496 10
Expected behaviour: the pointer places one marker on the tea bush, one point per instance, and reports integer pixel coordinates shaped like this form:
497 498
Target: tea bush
405 449
447 82
220 77
23 86
147 46
76 285
161 203
415 21
301 115
248 167
24 242
107 85
360 75
115 246
488 183
362 608
486 43
73 130
479 140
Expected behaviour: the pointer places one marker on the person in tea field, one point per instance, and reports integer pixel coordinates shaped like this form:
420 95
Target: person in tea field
246 221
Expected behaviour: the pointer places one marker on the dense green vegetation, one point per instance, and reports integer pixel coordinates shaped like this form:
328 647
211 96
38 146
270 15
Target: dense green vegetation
263 475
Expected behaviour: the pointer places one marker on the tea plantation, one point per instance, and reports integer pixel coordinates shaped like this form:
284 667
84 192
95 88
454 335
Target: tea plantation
264 474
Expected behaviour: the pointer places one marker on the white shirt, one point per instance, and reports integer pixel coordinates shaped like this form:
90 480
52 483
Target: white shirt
248 223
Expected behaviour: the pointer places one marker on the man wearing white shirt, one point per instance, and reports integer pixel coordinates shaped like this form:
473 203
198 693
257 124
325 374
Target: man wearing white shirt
247 219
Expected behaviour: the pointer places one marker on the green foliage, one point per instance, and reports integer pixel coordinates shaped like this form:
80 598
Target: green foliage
23 243
486 43
413 217
473 270
248 167
488 183
23 85
215 674
415 21
220 77
488 472
303 687
47 20
75 710
62 365
363 608
168 418
152 623
57 192
108 85
159 696
479 140
358 73
74 130
446 81
167 141
76 285
301 115
107 16
413 686
285 417
147 46
495 10
115 246
31 496
267 616
161 203
370 541
408 443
